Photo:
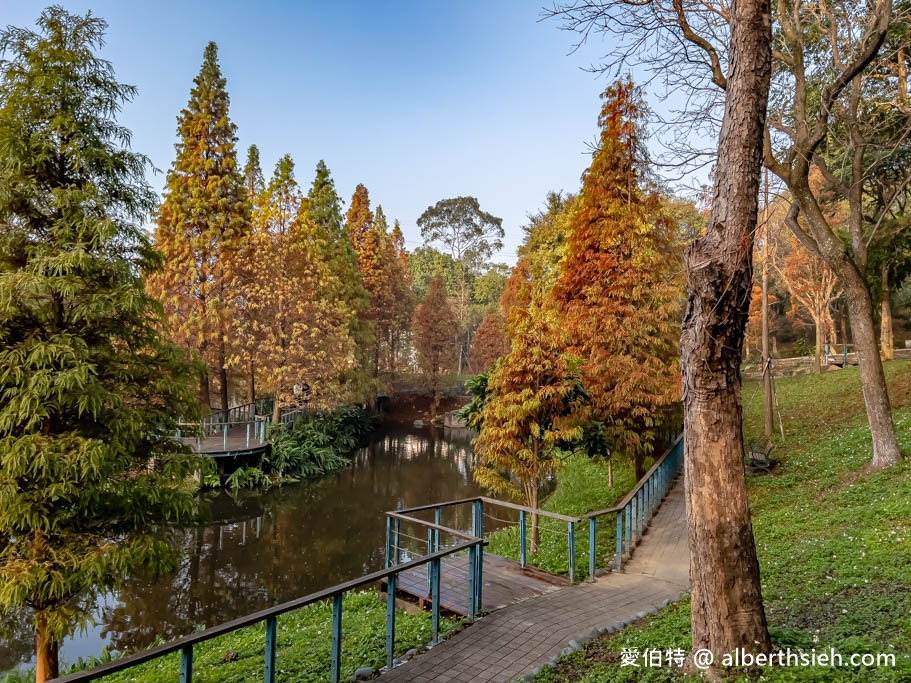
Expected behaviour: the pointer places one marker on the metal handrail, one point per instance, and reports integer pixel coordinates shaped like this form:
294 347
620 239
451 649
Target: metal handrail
256 418
635 511
638 487
477 512
493 501
185 644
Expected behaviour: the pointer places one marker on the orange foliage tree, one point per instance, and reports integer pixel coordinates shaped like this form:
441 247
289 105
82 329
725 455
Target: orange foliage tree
302 336
617 288
532 395
435 328
813 287
490 342
201 227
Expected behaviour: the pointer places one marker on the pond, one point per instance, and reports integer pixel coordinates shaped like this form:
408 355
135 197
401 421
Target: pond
262 548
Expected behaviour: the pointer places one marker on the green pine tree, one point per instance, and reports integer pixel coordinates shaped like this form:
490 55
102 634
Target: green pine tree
202 228
90 392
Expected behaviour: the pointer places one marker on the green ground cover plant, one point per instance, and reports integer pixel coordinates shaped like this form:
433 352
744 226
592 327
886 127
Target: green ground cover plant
313 445
582 486
304 640
834 543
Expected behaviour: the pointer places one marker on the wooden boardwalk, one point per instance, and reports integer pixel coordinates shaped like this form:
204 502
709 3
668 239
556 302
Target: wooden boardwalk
236 444
510 642
505 583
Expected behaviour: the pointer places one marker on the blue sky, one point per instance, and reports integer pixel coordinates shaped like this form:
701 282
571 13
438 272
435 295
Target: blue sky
417 100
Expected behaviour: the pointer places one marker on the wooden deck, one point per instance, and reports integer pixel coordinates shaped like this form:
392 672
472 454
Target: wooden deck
216 447
505 583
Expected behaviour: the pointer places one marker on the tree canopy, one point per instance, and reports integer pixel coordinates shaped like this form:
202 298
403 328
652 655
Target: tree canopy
91 393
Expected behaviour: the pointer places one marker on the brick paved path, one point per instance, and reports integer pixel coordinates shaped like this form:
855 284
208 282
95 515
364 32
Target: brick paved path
512 641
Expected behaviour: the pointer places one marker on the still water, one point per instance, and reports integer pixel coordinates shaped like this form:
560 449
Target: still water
262 548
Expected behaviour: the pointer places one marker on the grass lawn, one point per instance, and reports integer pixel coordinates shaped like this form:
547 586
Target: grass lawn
834 543
304 639
582 487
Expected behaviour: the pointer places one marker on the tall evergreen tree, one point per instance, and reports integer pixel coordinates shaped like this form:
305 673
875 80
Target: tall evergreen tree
403 302
89 390
246 349
359 217
620 302
490 342
433 327
324 210
302 332
531 397
201 228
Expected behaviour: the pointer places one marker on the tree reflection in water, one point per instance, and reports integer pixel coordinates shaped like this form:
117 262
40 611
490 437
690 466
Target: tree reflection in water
260 549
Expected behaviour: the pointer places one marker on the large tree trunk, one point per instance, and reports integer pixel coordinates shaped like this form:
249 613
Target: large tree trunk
223 387
47 657
205 397
872 377
886 340
820 343
727 610
531 500
251 382
639 466
276 406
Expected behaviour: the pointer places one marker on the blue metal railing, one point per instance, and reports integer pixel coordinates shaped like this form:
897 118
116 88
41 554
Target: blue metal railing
479 507
390 574
249 418
635 511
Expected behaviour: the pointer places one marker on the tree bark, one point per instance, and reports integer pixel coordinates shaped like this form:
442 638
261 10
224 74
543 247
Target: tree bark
872 378
531 496
277 406
886 340
251 383
820 343
223 386
205 397
639 465
47 657
766 361
727 609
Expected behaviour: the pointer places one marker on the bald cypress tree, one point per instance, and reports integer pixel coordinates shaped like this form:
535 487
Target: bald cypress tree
89 390
433 327
619 298
246 348
323 209
202 226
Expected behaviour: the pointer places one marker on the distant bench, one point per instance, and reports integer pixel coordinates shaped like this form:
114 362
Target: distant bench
759 458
